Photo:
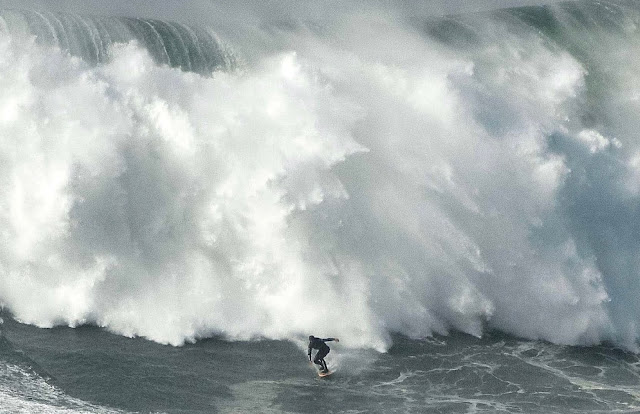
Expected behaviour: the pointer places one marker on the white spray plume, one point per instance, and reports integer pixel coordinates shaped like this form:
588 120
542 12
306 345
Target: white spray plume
364 184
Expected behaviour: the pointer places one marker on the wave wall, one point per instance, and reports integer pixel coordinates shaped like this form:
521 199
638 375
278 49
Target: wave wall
377 174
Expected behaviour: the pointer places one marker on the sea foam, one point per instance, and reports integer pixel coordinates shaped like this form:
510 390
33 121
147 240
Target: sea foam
343 187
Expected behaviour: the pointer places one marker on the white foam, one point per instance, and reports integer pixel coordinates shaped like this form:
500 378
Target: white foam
346 189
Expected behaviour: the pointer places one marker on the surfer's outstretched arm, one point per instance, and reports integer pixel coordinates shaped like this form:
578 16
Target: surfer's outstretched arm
330 339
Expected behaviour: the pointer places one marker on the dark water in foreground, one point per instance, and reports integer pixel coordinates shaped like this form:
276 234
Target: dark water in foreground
453 374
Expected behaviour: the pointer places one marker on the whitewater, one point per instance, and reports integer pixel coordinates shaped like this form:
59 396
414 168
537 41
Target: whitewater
385 174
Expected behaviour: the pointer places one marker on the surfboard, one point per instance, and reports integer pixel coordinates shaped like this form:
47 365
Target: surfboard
324 374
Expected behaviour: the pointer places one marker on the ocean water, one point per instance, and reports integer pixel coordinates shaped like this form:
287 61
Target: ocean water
187 193
64 370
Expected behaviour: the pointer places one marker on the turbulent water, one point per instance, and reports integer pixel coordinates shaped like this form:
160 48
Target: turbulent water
380 174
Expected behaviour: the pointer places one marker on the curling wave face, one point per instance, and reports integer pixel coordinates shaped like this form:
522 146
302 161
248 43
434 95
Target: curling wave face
483 173
190 48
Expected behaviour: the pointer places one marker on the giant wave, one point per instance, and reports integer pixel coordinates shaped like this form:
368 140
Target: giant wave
380 174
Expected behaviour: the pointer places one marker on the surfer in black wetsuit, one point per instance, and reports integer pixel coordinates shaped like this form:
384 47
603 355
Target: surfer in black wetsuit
323 350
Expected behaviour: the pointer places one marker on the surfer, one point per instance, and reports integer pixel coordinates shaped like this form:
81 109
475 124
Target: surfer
323 350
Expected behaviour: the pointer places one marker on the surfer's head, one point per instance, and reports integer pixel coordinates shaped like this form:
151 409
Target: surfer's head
311 337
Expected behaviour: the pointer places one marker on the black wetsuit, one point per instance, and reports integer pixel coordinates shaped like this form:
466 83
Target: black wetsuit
323 350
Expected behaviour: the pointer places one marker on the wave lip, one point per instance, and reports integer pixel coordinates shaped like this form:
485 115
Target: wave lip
190 48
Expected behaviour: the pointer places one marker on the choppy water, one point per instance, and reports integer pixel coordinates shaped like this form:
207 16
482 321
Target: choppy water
88 370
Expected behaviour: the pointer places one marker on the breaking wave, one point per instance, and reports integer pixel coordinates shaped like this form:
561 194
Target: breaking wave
190 48
383 175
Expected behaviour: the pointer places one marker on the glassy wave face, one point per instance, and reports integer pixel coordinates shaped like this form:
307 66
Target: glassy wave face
190 48
374 174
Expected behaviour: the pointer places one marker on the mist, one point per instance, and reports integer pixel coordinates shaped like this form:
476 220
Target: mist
351 171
